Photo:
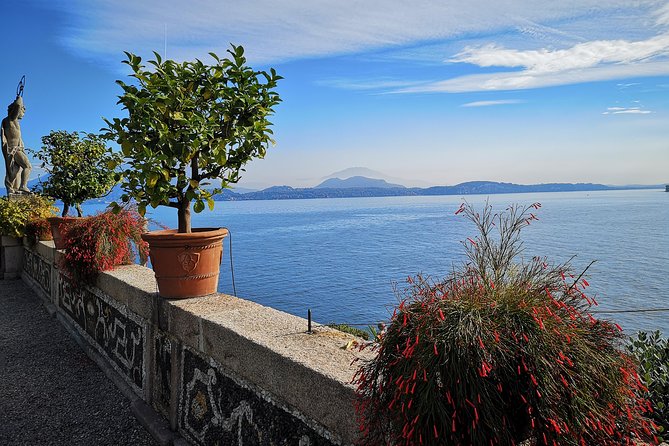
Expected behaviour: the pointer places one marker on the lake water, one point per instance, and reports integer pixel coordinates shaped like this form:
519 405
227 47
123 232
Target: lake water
340 257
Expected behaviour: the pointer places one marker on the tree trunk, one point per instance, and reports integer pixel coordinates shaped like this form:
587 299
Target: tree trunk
184 216
66 208
80 213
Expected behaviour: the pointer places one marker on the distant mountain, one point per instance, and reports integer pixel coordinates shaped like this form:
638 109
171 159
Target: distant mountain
242 190
380 188
491 187
290 193
369 173
468 188
356 181
356 172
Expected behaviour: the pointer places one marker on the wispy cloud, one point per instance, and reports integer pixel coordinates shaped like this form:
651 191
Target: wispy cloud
367 84
626 111
583 62
490 103
522 80
662 15
290 29
516 44
580 56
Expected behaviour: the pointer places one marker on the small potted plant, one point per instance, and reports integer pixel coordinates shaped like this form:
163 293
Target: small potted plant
15 217
78 168
39 229
189 124
102 242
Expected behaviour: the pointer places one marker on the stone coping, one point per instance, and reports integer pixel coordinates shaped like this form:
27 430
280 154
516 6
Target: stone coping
266 347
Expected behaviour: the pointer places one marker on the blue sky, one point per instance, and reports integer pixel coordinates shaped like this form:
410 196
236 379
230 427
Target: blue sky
433 92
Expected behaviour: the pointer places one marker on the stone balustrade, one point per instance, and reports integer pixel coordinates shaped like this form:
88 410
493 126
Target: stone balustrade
220 369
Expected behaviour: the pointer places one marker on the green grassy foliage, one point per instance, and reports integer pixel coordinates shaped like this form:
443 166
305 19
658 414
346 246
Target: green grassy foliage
652 353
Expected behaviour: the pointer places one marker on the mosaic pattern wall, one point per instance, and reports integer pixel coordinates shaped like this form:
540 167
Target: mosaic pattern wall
39 269
215 409
162 372
120 336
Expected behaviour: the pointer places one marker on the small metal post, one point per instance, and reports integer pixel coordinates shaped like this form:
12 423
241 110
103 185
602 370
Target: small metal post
309 321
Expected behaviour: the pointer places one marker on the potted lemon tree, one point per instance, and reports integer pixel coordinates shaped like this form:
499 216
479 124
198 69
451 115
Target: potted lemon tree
78 168
189 125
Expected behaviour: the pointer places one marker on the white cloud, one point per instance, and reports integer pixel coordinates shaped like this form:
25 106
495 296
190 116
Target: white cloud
277 30
533 43
522 80
583 62
582 55
490 103
662 15
626 111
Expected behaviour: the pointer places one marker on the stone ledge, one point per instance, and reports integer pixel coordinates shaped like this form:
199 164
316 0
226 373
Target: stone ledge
266 347
311 372
46 249
132 285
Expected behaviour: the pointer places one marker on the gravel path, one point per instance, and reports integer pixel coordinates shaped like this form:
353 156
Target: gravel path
51 393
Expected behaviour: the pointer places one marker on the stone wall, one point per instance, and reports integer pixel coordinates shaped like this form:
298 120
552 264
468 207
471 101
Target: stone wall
11 256
220 369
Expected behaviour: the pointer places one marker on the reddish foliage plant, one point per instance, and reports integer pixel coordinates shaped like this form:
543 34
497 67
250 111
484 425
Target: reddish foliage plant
39 229
101 242
500 351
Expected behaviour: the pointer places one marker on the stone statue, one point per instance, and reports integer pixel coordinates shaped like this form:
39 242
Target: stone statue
16 162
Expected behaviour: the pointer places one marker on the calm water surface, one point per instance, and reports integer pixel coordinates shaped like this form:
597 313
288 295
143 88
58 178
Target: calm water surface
340 257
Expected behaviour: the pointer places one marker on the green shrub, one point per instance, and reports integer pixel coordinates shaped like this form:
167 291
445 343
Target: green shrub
78 167
15 214
500 351
652 352
350 330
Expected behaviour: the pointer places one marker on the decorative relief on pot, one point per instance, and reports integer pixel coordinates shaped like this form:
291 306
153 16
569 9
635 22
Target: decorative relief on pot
189 260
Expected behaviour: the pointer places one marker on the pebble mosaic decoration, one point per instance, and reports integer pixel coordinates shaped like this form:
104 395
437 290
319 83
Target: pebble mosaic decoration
114 331
38 269
216 409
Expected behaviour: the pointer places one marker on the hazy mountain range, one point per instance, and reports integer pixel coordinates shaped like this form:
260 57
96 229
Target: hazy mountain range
371 187
361 186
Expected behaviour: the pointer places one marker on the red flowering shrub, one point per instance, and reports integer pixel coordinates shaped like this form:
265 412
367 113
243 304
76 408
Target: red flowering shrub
499 352
38 229
101 242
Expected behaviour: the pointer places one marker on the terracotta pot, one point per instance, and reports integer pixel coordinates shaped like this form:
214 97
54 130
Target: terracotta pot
186 265
58 226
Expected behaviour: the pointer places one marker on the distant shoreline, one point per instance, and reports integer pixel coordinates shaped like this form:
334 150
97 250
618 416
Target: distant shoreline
468 188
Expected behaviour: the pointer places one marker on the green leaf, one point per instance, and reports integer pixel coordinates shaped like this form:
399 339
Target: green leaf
152 179
198 206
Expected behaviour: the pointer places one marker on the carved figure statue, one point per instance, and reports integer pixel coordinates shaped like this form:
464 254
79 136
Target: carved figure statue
16 162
